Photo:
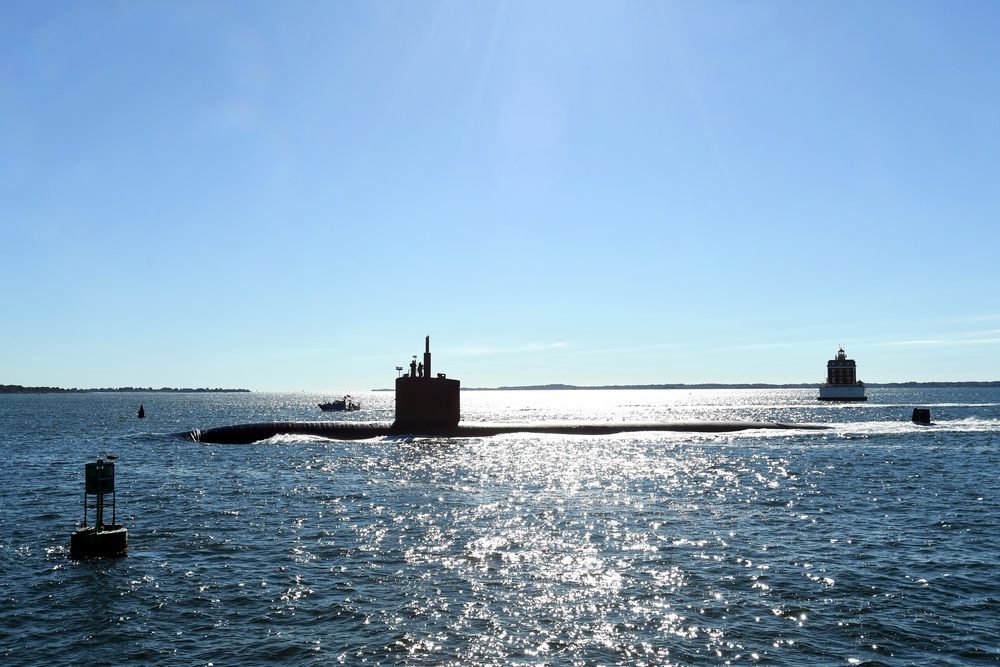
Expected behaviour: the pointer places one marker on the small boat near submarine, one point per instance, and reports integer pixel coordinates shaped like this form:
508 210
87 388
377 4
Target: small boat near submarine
346 404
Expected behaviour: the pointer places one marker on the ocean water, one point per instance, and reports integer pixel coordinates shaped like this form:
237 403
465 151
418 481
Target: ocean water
875 542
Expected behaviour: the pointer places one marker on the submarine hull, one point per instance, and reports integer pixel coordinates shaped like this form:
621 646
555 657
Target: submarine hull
248 433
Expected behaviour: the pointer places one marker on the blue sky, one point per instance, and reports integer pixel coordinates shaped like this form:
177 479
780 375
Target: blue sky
290 196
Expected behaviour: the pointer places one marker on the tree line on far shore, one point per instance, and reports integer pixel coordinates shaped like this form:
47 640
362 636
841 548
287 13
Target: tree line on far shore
18 389
713 385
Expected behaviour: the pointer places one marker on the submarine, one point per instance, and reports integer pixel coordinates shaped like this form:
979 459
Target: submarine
430 405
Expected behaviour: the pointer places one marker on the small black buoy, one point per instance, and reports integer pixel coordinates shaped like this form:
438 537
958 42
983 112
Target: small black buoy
921 416
142 412
101 540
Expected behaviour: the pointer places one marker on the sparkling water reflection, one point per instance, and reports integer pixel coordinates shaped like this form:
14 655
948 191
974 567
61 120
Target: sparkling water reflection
874 542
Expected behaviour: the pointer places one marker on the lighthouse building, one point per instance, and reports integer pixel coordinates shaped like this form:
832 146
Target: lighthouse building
842 383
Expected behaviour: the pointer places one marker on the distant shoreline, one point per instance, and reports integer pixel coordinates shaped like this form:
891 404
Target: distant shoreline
712 385
18 389
715 385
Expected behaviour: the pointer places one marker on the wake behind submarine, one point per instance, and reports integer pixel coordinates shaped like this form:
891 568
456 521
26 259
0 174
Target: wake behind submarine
429 405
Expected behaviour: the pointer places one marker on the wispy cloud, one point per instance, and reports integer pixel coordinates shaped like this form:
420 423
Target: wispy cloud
968 341
526 347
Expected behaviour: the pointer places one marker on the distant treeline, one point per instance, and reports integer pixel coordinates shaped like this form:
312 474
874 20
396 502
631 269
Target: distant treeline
18 389
934 385
810 385
658 386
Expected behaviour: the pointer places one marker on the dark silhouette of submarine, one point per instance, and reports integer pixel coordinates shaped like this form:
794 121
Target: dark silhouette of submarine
428 405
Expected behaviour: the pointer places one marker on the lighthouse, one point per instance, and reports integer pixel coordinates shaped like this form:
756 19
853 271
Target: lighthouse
842 383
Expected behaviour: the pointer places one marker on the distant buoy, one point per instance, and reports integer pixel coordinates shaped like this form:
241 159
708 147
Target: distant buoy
142 412
102 540
921 416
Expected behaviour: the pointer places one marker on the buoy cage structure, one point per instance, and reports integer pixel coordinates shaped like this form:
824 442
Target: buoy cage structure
100 540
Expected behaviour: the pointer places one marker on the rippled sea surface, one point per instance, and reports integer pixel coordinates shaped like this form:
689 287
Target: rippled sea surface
875 542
